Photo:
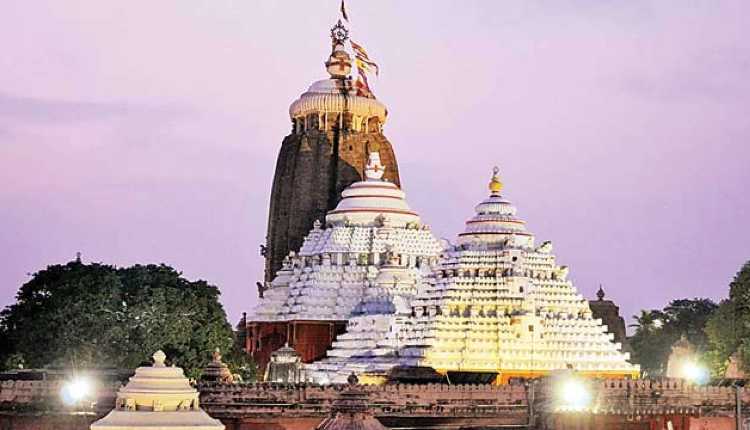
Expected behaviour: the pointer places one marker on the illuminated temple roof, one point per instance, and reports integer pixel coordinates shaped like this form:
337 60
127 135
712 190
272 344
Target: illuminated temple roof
494 303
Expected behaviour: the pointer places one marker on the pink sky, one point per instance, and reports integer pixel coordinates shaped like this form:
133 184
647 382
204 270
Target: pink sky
147 131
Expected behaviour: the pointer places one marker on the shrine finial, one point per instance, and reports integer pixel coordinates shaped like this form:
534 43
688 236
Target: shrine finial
600 293
495 185
339 33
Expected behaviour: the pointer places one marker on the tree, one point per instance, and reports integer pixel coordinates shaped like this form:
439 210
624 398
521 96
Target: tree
729 327
647 342
657 330
92 315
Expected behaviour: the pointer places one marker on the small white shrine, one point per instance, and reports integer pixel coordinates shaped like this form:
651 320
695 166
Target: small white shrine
158 398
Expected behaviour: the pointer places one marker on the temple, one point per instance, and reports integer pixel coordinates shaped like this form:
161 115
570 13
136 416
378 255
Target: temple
334 127
357 284
494 307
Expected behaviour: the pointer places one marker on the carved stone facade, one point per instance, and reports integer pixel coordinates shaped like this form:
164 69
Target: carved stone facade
334 128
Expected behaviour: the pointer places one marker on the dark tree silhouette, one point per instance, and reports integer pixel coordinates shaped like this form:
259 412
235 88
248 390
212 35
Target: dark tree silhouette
94 315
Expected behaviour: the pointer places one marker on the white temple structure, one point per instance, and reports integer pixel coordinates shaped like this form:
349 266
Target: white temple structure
158 397
496 306
372 339
371 231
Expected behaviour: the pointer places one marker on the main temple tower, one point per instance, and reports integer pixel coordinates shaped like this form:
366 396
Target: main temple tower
335 125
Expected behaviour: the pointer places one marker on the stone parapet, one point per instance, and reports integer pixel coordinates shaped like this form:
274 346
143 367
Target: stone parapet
398 403
42 396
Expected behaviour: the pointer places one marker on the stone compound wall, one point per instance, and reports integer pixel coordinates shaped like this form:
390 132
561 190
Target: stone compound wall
37 405
263 406
45 395
663 394
639 404
647 405
232 398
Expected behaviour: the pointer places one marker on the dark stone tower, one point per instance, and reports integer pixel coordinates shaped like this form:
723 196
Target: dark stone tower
609 313
335 124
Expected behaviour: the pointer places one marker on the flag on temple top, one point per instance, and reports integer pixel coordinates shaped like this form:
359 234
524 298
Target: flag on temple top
343 11
361 56
361 65
363 90
363 87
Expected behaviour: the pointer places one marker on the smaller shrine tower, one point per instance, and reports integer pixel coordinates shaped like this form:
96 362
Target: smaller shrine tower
335 125
158 397
609 313
367 255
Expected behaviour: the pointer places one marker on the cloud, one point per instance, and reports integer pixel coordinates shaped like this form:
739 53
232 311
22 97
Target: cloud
51 111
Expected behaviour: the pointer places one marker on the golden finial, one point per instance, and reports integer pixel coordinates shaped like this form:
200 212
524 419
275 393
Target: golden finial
495 185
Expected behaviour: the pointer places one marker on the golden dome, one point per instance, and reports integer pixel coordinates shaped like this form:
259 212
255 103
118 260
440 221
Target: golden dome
495 185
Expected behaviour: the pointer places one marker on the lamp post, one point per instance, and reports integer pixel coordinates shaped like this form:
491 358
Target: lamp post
738 406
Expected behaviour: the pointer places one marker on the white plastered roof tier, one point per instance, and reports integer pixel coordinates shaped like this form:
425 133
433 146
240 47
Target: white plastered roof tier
339 265
373 202
337 94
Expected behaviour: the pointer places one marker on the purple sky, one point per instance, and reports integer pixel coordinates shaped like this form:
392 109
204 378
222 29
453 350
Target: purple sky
142 131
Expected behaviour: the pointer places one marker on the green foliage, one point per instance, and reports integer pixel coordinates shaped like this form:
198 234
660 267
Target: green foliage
729 328
93 315
240 363
657 330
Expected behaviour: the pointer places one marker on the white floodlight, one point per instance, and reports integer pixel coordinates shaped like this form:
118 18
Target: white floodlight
573 394
75 390
694 372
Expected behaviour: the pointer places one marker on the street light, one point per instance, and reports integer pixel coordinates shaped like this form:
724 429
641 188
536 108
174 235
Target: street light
75 390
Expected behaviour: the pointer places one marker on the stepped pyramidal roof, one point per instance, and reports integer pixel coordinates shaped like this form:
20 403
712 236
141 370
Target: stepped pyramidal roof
494 304
340 263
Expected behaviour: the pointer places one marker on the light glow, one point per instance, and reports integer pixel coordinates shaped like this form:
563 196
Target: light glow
694 372
75 390
573 395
